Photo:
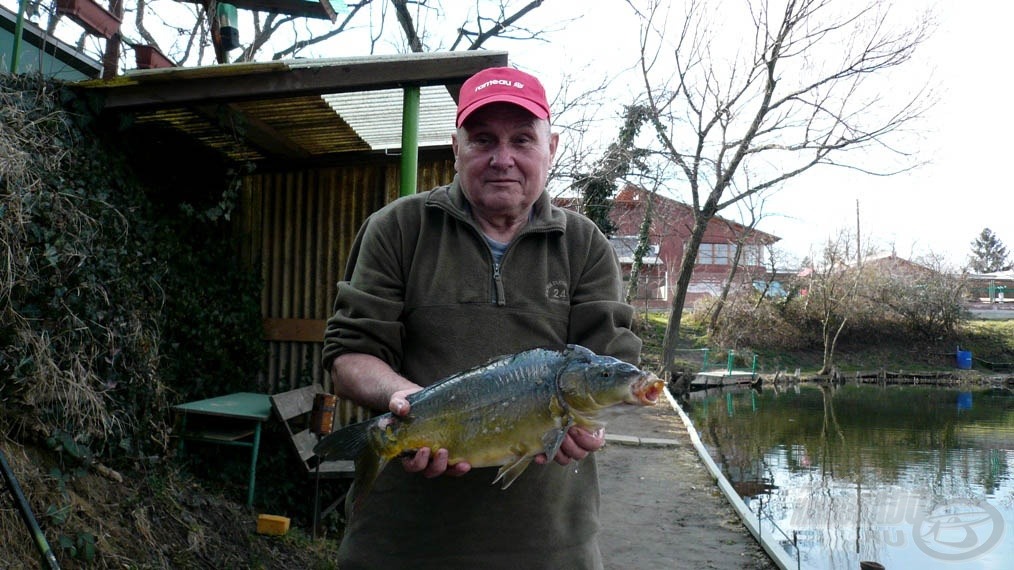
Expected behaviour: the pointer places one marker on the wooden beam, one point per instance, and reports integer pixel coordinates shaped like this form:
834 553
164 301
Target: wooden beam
329 10
149 57
299 8
89 15
294 330
254 132
273 80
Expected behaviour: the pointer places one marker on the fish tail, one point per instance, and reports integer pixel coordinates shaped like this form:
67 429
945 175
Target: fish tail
368 467
354 442
346 443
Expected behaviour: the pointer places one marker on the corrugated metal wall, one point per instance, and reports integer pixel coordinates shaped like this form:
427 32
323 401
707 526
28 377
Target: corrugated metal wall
298 227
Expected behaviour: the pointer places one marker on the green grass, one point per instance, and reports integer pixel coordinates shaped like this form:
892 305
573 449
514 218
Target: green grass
989 340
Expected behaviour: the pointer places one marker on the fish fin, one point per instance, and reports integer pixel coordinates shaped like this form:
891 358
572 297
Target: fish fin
346 443
368 467
511 471
552 441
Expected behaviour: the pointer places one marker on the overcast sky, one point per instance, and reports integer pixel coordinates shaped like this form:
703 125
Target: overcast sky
939 208
943 206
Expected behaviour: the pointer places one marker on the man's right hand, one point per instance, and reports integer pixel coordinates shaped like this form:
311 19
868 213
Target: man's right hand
424 461
399 401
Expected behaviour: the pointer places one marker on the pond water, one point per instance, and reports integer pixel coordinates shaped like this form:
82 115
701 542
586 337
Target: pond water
907 476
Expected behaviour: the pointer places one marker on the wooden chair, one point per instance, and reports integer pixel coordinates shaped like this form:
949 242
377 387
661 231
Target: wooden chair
294 408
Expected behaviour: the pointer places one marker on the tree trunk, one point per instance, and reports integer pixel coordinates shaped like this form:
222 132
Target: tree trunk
111 58
829 343
672 329
716 310
643 236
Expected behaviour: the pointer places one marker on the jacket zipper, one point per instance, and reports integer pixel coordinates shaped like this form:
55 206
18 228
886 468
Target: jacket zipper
499 298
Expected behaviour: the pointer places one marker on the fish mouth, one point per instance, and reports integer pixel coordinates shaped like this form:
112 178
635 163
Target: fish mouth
648 389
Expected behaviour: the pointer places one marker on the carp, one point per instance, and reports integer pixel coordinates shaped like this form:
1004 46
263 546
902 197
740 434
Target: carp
502 413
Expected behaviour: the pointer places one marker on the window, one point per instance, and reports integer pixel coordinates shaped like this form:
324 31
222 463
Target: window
723 254
715 254
753 255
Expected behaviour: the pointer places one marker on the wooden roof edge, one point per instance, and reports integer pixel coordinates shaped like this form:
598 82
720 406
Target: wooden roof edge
166 87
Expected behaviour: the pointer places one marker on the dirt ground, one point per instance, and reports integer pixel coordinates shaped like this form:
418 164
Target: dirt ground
660 506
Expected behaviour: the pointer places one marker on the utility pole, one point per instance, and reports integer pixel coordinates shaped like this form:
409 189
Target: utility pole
859 245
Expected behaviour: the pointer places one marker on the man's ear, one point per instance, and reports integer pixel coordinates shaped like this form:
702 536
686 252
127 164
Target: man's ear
454 148
554 140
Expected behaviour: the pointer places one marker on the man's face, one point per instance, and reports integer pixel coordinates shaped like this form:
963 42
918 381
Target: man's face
502 156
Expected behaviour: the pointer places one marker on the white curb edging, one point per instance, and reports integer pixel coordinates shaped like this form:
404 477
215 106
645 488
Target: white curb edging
778 555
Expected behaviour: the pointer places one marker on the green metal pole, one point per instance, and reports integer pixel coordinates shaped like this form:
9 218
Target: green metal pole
48 558
410 140
732 357
18 32
253 464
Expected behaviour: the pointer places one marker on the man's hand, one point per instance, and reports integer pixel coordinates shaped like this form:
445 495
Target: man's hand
577 444
434 464
399 401
424 461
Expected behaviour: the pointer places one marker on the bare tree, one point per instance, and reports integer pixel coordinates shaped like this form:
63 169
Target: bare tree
792 88
775 257
831 287
184 30
741 243
925 296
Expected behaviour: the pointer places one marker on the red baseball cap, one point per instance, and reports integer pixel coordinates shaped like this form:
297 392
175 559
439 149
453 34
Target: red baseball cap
502 85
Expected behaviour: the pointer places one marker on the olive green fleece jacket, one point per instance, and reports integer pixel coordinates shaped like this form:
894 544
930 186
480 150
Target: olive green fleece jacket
422 293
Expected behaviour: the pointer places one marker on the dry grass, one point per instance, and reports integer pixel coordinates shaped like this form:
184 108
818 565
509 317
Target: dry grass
64 328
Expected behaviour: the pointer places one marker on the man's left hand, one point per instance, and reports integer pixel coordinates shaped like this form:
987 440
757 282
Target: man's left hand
577 444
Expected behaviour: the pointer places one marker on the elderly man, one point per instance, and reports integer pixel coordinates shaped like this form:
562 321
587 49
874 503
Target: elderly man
446 280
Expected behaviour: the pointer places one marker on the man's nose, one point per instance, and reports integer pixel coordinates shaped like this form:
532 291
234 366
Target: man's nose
502 156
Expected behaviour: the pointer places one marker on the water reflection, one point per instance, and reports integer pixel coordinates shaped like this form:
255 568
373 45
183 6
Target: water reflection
912 477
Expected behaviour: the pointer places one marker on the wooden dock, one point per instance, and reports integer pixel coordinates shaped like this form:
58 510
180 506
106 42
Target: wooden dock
724 377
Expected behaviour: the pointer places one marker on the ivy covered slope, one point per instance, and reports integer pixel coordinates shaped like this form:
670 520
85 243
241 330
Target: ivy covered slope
119 292
120 295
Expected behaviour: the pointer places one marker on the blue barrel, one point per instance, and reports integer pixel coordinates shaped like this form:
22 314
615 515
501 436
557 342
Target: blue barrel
965 359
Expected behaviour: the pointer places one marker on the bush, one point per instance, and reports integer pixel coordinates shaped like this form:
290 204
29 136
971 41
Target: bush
745 323
893 303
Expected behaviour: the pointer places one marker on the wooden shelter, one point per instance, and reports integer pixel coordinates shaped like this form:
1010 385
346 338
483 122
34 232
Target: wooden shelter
330 142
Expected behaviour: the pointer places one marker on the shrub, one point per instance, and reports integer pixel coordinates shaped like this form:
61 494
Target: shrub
746 323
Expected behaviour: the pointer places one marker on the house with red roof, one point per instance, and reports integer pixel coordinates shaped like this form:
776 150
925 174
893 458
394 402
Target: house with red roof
672 222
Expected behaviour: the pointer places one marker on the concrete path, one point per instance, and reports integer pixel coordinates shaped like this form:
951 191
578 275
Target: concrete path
660 507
